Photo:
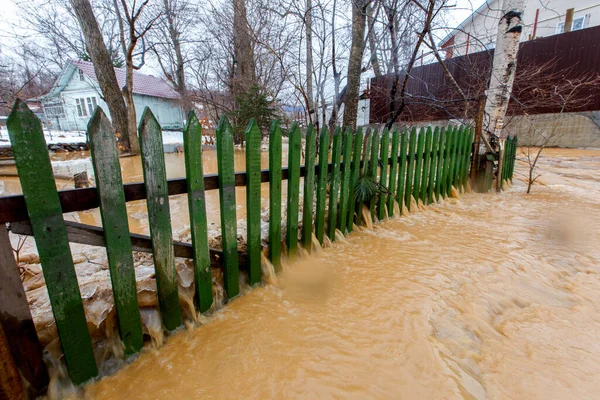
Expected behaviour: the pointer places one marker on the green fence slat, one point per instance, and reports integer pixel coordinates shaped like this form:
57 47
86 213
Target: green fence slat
460 157
385 148
159 218
513 157
322 184
293 198
45 214
309 188
464 156
345 205
426 166
453 155
393 179
192 144
467 158
457 158
356 157
373 165
439 175
418 164
334 187
447 157
401 193
226 169
408 191
109 184
433 167
364 171
253 139
275 150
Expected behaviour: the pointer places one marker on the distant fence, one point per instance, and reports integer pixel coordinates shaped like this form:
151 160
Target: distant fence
424 165
431 96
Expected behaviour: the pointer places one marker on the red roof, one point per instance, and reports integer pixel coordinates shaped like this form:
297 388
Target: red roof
146 85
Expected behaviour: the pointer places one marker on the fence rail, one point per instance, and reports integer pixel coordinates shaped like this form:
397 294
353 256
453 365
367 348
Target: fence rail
422 165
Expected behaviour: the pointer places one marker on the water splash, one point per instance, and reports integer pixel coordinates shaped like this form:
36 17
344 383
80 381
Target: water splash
218 294
186 302
152 324
454 193
339 236
316 246
268 270
366 215
396 209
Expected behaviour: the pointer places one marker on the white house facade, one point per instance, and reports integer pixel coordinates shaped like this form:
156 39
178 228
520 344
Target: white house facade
73 98
541 18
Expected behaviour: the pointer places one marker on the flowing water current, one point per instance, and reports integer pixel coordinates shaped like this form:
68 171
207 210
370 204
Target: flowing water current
482 297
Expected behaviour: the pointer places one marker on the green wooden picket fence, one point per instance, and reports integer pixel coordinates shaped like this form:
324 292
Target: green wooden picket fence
508 162
422 164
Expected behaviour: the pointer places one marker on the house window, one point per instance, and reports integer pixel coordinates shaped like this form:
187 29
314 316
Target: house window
81 110
577 24
91 103
81 76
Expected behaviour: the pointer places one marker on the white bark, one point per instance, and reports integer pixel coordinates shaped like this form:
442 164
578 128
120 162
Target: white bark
503 68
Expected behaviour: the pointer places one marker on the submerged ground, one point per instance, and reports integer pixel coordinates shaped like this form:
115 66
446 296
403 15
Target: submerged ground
491 296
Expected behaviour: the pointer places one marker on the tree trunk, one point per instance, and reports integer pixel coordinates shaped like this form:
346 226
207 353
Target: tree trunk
359 13
373 44
131 114
104 72
244 73
174 35
309 60
503 69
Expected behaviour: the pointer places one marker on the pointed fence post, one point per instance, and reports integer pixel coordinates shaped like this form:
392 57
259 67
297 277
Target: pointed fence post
309 188
393 173
346 191
439 175
418 165
225 163
192 144
373 165
433 168
410 168
426 166
45 214
385 148
322 184
107 172
400 190
354 174
334 187
275 195
293 200
159 218
253 138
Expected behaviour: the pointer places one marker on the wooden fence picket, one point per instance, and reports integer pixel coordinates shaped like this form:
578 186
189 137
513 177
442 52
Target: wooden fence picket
467 159
439 175
410 168
426 166
373 165
322 184
45 214
356 158
226 169
418 165
192 144
400 190
309 188
393 179
159 218
334 186
253 231
433 167
293 197
383 179
345 191
107 172
275 150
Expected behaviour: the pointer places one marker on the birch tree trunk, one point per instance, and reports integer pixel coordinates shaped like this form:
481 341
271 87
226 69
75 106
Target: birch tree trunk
503 69
309 60
359 15
244 73
105 72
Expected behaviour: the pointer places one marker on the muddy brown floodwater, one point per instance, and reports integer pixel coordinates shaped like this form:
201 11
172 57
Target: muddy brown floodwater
489 296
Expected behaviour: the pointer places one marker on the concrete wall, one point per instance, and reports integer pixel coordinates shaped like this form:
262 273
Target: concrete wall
482 25
571 130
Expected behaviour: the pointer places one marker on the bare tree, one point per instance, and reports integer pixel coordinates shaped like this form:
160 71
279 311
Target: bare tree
106 75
